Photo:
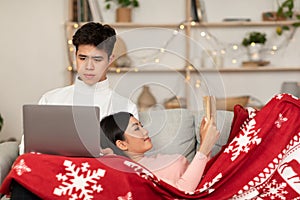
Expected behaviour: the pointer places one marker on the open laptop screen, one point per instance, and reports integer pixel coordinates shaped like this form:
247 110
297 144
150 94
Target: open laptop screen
62 130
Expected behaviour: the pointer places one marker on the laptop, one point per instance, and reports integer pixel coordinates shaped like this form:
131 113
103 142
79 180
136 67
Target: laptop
62 130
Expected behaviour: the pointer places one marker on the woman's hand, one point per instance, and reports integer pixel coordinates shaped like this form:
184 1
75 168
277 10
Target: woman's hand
208 135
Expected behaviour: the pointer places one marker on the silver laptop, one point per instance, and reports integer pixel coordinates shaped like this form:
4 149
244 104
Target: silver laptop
62 130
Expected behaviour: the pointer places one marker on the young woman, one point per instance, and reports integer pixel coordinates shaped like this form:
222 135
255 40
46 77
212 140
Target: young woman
128 135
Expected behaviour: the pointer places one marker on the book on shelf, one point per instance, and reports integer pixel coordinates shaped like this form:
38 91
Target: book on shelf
198 11
95 10
80 11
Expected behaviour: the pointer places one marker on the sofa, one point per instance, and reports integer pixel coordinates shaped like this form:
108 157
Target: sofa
171 131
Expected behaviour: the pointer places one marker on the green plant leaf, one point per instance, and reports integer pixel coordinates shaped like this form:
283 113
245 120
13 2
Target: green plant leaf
123 3
286 28
296 24
256 37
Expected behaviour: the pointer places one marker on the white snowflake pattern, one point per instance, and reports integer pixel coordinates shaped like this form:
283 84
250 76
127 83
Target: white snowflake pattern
139 170
128 196
79 182
275 190
21 167
280 120
248 136
279 96
208 185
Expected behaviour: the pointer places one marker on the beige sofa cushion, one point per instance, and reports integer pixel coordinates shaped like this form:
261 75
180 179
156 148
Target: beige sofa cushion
171 131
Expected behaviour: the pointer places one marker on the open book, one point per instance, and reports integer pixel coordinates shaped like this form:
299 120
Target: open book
210 108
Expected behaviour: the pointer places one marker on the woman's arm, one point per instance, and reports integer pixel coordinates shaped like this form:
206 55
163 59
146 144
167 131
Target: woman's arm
193 174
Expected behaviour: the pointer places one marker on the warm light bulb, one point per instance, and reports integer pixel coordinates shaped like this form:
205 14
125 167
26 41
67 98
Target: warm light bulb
70 68
118 70
181 26
190 67
70 42
197 85
234 61
235 47
188 78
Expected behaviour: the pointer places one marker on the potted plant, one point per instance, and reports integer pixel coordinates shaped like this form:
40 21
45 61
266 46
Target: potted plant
286 11
254 42
124 9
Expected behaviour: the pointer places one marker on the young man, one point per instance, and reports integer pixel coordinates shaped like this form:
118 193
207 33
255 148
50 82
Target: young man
94 44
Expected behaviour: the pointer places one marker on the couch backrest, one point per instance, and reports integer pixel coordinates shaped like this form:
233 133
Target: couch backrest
172 131
176 131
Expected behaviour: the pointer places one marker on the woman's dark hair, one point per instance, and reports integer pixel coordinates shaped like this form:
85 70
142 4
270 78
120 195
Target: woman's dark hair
112 128
101 36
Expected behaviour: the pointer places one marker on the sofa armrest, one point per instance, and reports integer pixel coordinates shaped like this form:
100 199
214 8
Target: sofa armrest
9 153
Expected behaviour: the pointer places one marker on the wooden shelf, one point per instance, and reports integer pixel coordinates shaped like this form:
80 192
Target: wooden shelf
251 69
202 24
240 23
222 70
130 25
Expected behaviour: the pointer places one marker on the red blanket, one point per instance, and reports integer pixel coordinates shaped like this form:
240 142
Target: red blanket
260 161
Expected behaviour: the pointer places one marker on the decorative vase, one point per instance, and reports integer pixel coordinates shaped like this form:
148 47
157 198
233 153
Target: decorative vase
146 99
254 52
123 14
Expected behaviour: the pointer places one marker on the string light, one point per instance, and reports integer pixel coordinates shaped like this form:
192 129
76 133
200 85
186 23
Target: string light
205 34
197 85
235 47
70 68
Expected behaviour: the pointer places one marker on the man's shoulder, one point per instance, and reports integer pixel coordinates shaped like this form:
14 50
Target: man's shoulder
118 97
58 91
57 96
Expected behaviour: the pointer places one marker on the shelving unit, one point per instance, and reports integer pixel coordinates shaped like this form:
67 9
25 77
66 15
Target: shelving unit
188 26
187 69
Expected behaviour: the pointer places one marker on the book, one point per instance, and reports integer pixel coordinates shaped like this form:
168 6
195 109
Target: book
198 11
95 10
210 108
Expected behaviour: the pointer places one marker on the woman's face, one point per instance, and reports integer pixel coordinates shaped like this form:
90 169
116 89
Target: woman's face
136 137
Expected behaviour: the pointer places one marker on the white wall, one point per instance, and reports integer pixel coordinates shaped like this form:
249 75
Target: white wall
33 51
33 58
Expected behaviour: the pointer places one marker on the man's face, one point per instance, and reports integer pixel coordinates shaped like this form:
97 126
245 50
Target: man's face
92 64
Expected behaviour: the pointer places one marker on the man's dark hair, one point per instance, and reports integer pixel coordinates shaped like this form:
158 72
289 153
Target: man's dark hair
101 36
